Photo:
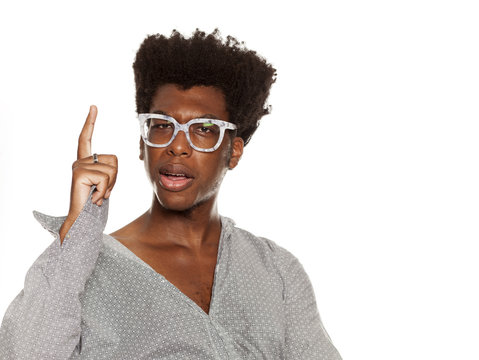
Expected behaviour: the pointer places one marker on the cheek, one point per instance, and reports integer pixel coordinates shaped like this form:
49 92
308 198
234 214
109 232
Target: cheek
227 152
221 161
149 163
217 170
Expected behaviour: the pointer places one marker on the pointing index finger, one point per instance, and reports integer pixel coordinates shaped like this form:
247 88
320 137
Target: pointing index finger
84 141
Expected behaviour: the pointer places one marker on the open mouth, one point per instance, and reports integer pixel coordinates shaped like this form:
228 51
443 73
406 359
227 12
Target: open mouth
175 177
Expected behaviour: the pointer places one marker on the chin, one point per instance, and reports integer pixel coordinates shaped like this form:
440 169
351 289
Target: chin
178 203
175 205
186 200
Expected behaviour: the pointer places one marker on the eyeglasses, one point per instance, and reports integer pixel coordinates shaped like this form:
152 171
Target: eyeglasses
206 135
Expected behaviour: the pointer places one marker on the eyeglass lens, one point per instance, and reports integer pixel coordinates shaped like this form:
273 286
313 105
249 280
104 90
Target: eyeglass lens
203 135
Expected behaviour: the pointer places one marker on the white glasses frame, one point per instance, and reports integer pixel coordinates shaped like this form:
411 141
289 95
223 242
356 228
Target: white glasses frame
223 125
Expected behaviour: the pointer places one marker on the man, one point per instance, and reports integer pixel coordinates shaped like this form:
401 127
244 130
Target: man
180 281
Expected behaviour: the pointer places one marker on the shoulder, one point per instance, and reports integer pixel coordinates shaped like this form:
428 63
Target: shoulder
262 248
264 257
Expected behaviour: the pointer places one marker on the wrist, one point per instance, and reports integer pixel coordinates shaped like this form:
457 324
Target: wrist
67 224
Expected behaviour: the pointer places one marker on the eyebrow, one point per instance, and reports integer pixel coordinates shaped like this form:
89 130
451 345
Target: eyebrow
204 116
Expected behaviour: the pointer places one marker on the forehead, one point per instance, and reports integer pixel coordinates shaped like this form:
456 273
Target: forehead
193 102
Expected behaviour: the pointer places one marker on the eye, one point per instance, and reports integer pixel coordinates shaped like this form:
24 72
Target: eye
160 124
205 129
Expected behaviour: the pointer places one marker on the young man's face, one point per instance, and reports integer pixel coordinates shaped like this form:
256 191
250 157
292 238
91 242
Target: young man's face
204 170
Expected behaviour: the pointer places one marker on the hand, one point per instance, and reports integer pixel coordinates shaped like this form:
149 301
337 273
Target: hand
86 173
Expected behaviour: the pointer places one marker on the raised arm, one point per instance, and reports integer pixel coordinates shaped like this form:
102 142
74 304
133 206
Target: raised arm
86 173
44 320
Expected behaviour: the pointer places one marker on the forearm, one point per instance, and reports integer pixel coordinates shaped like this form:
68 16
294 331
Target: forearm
44 320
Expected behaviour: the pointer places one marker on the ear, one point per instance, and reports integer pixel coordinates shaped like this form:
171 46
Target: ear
236 152
142 149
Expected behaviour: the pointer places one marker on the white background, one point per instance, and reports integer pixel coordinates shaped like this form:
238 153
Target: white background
377 195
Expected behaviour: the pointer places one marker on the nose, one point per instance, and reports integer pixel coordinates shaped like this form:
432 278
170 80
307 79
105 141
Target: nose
180 146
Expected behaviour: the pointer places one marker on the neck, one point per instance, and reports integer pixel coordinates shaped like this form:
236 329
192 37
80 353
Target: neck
192 228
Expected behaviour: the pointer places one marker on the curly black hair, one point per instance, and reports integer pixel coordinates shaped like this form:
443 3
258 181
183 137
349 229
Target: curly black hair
243 76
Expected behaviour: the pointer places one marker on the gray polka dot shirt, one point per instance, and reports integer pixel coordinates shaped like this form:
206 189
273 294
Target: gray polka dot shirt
92 298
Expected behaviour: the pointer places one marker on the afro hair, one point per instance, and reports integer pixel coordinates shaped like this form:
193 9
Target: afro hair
244 77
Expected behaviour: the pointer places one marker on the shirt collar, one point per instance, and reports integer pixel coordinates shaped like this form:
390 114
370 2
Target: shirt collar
227 225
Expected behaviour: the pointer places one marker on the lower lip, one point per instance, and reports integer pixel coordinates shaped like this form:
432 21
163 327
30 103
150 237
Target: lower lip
175 183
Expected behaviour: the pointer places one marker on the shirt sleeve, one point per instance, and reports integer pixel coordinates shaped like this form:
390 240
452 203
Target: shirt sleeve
305 337
44 320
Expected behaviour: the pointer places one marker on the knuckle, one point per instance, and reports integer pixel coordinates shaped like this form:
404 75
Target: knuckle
112 160
79 171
